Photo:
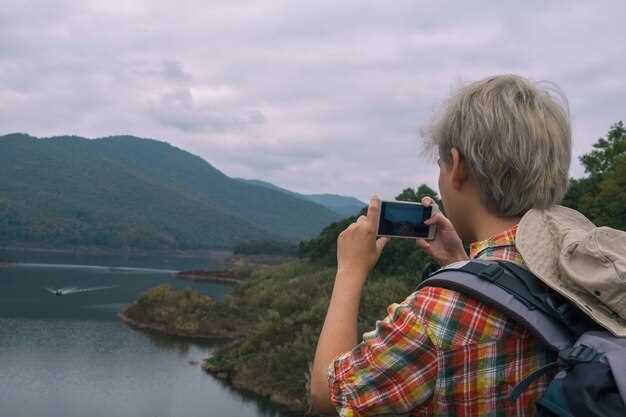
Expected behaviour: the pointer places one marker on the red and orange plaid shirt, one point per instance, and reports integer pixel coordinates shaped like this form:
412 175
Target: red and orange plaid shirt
441 353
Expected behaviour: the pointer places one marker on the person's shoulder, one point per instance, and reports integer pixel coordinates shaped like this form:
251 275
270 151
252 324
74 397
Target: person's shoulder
454 319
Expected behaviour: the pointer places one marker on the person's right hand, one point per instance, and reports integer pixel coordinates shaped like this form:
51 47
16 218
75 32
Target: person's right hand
446 247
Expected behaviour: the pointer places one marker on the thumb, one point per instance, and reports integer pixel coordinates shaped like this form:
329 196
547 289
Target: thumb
380 244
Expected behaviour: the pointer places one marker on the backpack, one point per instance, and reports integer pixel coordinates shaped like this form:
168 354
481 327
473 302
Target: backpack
590 367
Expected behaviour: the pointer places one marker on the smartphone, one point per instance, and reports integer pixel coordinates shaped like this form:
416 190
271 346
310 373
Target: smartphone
405 219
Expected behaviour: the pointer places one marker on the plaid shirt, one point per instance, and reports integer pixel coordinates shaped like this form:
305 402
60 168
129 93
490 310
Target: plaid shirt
441 353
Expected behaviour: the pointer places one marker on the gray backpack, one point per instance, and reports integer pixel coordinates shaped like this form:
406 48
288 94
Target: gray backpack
590 363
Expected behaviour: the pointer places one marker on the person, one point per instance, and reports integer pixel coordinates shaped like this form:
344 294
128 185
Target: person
504 146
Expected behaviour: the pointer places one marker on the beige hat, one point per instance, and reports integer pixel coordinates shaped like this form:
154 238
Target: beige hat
585 263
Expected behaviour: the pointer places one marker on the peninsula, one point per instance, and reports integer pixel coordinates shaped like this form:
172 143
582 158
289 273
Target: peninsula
185 313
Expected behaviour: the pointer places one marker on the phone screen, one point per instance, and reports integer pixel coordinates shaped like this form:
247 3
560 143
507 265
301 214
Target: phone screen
403 219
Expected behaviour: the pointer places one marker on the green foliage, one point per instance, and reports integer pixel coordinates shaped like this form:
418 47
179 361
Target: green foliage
288 304
129 193
344 206
323 248
601 195
606 153
186 312
266 247
416 195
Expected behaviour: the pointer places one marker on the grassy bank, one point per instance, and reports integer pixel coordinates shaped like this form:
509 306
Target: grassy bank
287 304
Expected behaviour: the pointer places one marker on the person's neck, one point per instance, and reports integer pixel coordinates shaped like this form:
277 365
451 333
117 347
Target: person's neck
487 224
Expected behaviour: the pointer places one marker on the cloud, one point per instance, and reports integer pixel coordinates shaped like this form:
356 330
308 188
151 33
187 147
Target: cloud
177 109
172 70
317 97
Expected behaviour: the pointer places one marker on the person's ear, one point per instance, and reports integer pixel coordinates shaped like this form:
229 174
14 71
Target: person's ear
459 171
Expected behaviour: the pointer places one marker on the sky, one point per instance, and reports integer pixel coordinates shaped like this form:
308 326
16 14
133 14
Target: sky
317 96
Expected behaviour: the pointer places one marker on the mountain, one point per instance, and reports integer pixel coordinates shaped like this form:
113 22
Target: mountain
128 192
343 205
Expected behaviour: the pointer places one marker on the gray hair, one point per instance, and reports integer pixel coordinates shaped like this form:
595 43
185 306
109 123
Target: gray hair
514 135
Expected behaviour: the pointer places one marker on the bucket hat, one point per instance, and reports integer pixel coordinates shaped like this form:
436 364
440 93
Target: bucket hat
584 263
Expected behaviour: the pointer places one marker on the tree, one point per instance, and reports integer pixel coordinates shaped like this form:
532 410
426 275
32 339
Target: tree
607 152
608 205
416 195
408 194
601 195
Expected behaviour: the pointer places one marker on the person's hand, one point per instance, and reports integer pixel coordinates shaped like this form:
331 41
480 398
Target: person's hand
446 247
358 249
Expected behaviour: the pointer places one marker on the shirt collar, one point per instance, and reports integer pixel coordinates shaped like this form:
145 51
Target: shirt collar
502 239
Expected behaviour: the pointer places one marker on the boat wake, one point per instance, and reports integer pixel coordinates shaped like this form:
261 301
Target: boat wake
75 290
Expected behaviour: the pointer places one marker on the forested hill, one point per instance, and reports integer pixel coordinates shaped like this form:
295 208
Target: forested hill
125 192
344 205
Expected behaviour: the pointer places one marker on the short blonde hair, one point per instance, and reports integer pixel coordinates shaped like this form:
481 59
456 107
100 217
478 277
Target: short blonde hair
515 136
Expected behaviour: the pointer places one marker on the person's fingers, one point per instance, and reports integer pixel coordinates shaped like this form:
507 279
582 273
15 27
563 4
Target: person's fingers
438 219
425 246
361 219
372 211
427 201
422 244
380 243
433 219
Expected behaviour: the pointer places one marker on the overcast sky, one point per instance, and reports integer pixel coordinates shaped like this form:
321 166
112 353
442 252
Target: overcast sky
317 96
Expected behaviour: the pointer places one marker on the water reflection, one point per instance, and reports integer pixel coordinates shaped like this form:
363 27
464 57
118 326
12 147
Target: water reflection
264 406
183 346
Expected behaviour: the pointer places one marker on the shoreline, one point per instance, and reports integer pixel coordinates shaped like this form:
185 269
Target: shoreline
200 275
227 377
162 330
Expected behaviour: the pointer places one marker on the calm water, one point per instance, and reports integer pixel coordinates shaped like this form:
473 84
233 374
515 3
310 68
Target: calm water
69 355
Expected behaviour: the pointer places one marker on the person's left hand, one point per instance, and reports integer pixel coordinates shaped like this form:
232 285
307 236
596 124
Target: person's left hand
358 249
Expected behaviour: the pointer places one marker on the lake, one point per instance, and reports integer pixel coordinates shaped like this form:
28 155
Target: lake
66 356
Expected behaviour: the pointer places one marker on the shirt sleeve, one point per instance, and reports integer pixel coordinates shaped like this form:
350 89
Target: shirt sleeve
393 370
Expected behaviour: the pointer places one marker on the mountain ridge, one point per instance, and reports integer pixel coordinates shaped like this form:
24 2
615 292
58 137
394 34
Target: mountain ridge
344 205
130 192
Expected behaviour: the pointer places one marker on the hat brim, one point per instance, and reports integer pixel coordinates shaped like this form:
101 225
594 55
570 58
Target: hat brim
539 236
539 239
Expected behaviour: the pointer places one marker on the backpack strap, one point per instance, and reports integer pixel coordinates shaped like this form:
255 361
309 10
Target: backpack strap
518 294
